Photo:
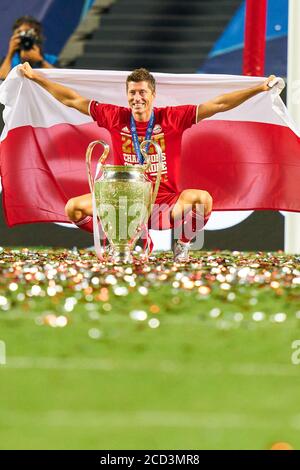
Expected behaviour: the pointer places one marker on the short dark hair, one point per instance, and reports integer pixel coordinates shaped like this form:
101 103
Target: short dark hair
31 21
142 75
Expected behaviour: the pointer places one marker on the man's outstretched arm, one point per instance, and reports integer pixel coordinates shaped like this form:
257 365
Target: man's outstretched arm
231 100
65 95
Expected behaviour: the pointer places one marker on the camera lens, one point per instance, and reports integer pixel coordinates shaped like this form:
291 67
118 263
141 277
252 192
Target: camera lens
27 40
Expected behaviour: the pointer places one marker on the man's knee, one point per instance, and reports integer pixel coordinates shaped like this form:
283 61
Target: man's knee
78 207
197 196
207 201
75 209
70 208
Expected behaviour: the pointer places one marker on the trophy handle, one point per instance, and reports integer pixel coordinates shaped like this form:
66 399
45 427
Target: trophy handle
88 158
147 166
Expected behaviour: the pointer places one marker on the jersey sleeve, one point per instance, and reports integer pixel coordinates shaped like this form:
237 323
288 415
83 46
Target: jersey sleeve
182 117
106 115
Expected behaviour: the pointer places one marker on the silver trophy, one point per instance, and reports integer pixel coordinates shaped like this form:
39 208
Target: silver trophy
123 197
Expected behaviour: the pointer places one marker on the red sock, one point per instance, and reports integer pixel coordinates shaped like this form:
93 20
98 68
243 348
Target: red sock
192 224
85 224
147 242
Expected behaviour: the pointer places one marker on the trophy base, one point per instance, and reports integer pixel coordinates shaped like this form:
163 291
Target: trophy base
121 255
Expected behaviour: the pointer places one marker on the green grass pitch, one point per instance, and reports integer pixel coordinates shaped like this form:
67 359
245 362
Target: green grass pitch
154 356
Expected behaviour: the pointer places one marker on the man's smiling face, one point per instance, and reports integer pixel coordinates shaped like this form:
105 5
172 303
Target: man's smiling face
140 99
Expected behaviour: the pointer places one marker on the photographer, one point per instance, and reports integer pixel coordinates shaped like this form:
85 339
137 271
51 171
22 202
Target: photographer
26 45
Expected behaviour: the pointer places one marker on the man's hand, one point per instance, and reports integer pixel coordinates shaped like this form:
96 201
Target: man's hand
269 83
27 71
13 47
33 55
14 44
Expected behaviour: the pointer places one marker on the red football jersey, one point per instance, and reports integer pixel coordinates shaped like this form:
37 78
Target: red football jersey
170 123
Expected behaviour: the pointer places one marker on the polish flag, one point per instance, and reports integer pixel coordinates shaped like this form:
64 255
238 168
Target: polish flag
247 158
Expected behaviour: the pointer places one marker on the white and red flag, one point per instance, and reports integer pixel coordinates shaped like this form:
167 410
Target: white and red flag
247 158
